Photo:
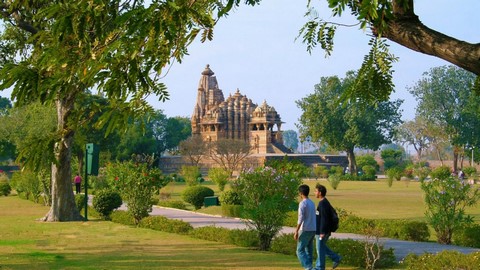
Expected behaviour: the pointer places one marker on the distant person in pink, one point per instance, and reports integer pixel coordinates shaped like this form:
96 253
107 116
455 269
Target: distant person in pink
78 183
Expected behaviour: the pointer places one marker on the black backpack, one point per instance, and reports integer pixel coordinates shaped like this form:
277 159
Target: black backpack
334 220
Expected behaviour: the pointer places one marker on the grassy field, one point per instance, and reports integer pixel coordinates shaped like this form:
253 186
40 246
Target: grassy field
29 244
367 199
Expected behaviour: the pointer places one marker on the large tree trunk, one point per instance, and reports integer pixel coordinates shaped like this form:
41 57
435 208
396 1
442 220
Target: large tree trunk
407 30
63 201
352 163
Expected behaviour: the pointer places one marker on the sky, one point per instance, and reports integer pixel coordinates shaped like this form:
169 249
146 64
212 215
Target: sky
254 50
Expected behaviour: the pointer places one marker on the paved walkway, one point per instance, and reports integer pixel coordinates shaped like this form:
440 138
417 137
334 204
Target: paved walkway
401 248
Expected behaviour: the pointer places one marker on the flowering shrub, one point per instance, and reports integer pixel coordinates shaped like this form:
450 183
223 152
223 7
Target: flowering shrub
446 201
136 184
267 194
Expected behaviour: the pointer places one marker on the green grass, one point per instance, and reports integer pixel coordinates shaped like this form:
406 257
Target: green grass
367 199
29 244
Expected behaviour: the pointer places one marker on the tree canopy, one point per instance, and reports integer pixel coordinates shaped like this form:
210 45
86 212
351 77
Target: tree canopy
344 126
445 98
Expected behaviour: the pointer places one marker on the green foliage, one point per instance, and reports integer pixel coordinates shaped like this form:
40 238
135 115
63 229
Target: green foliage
394 173
352 177
334 181
446 200
196 194
123 217
335 170
173 204
422 172
352 251
80 201
267 195
160 223
5 188
392 158
447 259
364 160
397 229
219 176
346 124
105 201
369 170
320 172
136 184
467 236
239 237
230 197
291 165
191 174
27 183
470 171
441 173
291 219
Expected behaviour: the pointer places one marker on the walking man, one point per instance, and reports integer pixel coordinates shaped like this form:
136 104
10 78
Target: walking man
305 231
323 230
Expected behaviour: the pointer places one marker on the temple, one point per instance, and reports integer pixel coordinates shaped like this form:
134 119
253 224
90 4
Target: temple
236 117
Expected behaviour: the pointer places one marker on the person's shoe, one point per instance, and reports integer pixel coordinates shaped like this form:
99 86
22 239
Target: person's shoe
335 264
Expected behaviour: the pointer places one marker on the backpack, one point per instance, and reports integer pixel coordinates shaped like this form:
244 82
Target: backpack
334 220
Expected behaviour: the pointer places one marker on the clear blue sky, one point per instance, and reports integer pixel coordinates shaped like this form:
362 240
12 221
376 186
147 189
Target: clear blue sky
254 49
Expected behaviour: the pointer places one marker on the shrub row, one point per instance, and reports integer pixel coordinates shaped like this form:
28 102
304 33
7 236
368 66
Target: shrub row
173 204
353 252
447 259
238 237
398 229
5 188
468 236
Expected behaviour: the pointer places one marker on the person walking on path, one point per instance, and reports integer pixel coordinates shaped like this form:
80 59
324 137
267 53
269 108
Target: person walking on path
78 183
305 231
323 231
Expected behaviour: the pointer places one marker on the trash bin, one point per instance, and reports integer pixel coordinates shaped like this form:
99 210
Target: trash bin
210 201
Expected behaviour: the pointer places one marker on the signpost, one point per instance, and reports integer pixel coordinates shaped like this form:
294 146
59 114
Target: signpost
92 152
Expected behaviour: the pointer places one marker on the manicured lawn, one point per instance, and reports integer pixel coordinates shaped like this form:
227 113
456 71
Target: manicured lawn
28 244
367 199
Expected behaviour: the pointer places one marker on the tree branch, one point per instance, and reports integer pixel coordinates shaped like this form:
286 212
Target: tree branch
407 30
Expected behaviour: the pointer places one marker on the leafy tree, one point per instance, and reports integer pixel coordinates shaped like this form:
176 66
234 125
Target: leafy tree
177 129
445 99
54 51
229 153
290 139
7 149
344 126
193 148
415 133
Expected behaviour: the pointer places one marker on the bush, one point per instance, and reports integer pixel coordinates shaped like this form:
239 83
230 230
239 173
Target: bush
334 181
28 183
5 188
191 174
291 219
470 171
136 184
267 195
244 238
219 176
447 259
160 223
122 217
352 251
421 172
80 201
211 233
335 170
173 204
105 201
230 197
446 201
196 194
367 160
352 177
468 236
442 172
320 172
369 170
